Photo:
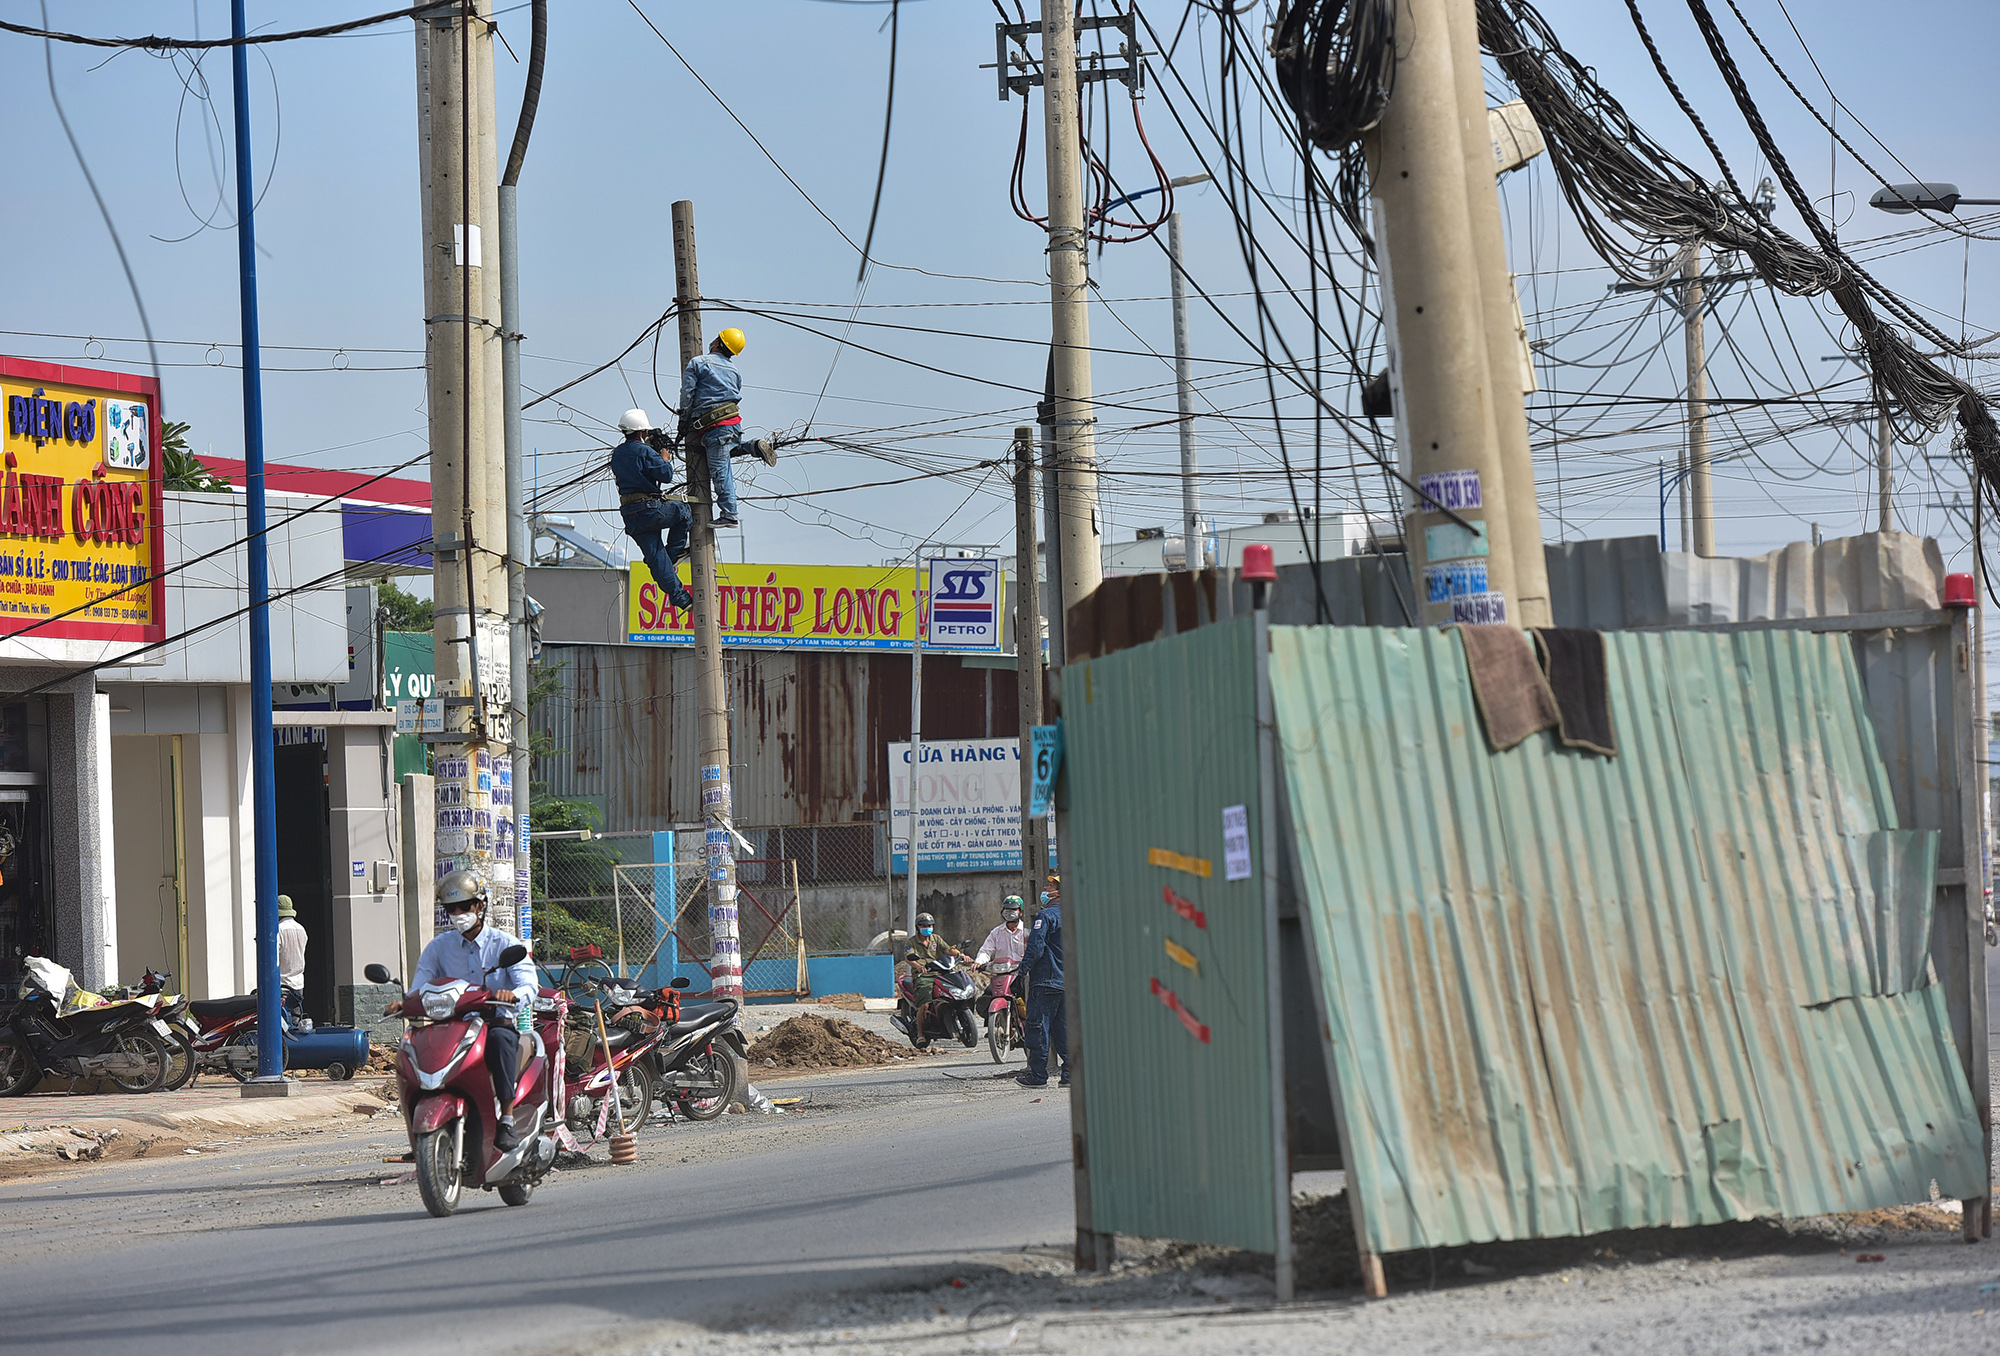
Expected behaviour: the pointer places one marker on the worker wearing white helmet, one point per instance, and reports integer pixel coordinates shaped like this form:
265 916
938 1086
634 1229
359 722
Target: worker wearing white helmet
643 472
710 388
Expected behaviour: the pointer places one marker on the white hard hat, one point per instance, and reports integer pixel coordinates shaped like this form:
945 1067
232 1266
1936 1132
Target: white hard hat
634 421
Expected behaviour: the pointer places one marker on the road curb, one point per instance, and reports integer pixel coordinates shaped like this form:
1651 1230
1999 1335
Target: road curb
77 1138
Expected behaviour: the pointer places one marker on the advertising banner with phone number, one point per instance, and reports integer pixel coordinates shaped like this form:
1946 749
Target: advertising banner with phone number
80 547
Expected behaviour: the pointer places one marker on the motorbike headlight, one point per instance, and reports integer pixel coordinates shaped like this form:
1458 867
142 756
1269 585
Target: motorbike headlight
440 1006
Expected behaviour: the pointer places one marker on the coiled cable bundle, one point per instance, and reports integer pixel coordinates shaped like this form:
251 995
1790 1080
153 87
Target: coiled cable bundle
1336 63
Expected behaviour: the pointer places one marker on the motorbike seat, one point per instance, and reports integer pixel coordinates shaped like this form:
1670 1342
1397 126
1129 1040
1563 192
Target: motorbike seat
617 1038
221 1009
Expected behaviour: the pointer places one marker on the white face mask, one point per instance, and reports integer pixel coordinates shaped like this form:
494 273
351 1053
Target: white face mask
464 922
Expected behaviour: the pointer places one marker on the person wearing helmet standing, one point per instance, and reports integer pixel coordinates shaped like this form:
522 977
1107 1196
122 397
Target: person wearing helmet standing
470 951
710 388
643 473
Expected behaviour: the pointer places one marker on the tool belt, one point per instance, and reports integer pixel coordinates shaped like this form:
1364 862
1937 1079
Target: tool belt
627 500
713 415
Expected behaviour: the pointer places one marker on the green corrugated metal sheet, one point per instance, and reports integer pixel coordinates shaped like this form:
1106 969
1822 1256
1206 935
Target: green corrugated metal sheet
1570 993
1159 740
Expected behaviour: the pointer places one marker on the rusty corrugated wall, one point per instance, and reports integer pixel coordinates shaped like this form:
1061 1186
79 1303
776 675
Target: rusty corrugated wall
811 734
1568 993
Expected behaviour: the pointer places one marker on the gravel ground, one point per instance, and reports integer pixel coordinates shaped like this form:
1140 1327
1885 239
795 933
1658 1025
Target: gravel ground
1763 1288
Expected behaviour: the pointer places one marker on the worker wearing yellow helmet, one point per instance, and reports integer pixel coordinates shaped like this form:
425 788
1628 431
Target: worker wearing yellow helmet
710 388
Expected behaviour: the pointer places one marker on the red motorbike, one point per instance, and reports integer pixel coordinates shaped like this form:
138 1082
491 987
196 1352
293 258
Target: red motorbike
1006 1012
447 1093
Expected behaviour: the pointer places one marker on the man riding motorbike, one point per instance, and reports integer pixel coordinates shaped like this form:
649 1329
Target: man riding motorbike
471 952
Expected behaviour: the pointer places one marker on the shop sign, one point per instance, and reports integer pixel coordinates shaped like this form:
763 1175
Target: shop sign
801 607
80 549
969 805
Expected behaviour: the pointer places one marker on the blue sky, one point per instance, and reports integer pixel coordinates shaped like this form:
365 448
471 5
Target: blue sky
624 130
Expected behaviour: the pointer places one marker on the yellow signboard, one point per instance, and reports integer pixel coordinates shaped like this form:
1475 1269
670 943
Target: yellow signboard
80 550
804 607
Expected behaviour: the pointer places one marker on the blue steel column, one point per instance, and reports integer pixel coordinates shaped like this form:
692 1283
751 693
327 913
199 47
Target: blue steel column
270 1039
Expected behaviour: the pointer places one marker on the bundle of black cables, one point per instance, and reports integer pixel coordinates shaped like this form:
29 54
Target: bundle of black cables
1638 203
1336 63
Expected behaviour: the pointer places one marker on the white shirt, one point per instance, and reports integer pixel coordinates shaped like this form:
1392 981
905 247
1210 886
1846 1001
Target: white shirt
1003 944
292 953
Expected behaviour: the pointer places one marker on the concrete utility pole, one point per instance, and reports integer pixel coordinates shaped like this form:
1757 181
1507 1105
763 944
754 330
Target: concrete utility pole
1027 654
1500 308
1463 561
1078 548
1192 538
457 150
725 963
1699 503
1885 478
516 491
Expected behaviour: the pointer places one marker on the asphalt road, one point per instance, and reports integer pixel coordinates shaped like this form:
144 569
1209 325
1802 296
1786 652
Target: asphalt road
295 1245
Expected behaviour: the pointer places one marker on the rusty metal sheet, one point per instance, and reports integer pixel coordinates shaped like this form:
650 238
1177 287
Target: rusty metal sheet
1569 993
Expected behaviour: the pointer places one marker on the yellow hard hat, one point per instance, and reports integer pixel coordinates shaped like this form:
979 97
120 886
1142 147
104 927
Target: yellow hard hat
731 339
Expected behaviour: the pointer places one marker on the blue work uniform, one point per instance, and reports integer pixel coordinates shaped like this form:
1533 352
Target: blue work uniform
476 960
1048 1024
710 380
639 469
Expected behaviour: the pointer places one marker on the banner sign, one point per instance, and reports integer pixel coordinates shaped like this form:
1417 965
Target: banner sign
970 806
80 507
795 607
1047 744
966 599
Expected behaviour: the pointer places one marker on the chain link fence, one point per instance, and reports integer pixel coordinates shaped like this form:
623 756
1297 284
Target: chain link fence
797 887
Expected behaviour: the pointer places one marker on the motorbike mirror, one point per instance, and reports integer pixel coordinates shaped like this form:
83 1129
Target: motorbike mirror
375 974
680 982
513 955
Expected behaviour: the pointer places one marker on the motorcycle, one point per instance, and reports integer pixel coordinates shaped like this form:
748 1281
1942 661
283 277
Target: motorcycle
700 1057
61 1033
225 1040
599 1088
447 1093
947 1010
1006 1012
181 1026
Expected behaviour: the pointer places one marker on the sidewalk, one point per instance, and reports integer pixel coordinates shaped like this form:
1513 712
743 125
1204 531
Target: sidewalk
49 1128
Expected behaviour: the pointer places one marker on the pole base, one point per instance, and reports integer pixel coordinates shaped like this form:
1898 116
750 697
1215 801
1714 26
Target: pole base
279 1086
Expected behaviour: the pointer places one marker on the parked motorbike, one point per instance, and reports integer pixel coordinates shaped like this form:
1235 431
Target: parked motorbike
946 1012
59 1032
225 1038
447 1093
599 1089
181 1026
1006 1013
699 1061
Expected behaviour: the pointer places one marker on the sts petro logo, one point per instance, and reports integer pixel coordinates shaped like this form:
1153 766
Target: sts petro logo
965 604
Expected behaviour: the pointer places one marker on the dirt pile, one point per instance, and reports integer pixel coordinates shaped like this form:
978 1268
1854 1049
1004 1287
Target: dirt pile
849 1002
815 1042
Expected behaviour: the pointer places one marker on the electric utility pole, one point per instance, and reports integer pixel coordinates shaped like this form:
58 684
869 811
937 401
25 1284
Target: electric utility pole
1193 543
516 490
460 174
1500 311
1027 655
1885 480
725 962
1458 525
1698 504
1073 422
